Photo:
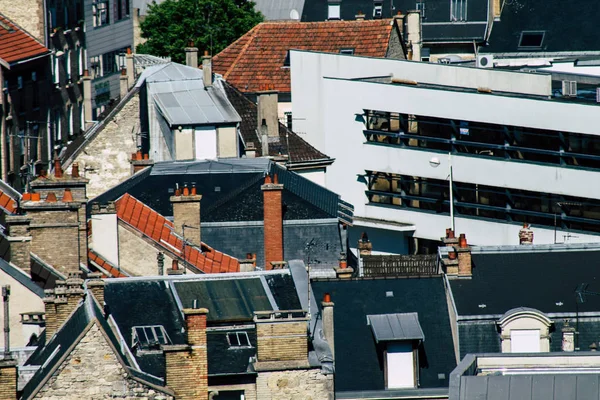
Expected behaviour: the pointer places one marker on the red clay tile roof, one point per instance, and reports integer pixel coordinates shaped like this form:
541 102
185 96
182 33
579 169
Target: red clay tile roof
7 203
105 265
158 229
16 44
256 59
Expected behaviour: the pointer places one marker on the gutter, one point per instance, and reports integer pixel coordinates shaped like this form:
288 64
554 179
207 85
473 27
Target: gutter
19 62
323 162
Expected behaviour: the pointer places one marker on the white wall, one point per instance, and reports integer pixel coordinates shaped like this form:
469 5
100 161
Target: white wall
205 142
316 175
105 237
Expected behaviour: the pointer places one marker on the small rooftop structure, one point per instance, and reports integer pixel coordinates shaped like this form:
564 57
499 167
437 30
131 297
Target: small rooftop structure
400 326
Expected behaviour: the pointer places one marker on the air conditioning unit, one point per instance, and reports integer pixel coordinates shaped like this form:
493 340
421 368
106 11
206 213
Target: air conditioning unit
485 61
569 88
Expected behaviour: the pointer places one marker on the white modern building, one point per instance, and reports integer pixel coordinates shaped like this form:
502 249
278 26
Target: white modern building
518 154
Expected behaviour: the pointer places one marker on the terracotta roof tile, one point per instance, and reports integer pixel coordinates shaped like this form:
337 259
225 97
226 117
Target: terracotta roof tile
94 257
16 44
158 229
256 59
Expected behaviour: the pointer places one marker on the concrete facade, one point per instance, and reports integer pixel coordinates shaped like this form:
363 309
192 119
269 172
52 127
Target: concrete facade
105 159
93 371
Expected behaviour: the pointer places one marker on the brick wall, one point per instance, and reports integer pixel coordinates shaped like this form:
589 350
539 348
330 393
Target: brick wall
19 238
282 341
186 211
273 221
294 384
8 380
92 371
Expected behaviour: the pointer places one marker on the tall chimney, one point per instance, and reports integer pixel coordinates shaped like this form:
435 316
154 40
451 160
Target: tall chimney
267 113
95 285
186 215
207 70
19 237
526 234
191 56
123 83
328 330
129 65
413 27
464 257
273 220
186 365
568 337
160 261
87 99
5 299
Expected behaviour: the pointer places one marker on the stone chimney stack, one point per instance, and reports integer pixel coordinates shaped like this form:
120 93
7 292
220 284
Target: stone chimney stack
8 379
140 162
267 112
526 235
207 76
95 285
61 301
464 257
413 28
328 330
186 213
129 65
105 238
87 99
19 237
191 56
123 83
273 220
342 271
281 336
186 365
364 245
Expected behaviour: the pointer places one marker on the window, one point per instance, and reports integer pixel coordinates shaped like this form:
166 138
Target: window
288 119
377 9
458 10
531 40
347 51
67 61
525 330
238 339
400 365
333 10
121 9
20 82
149 337
109 63
96 66
100 13
56 70
420 6
525 341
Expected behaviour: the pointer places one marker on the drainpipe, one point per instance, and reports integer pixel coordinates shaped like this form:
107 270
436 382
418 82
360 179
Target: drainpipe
5 297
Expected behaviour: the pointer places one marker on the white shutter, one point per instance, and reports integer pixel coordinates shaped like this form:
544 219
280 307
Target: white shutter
525 341
400 366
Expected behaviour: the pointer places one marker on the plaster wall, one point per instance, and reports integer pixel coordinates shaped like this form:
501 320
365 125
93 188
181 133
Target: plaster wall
105 237
21 300
184 144
227 139
314 175
137 256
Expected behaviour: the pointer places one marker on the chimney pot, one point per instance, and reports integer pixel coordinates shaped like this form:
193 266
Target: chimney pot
58 172
267 179
186 190
275 179
193 191
175 265
327 298
26 196
343 263
133 156
462 241
35 197
177 191
452 255
138 155
51 198
146 156
67 196
75 170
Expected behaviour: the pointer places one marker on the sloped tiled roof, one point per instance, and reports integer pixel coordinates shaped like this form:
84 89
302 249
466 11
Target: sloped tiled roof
160 230
289 142
257 59
16 44
105 265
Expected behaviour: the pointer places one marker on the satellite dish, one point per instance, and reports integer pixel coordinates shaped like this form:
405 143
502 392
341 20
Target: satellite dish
294 14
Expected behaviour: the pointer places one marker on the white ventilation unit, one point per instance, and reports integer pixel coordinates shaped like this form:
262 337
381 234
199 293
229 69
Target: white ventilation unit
485 61
569 88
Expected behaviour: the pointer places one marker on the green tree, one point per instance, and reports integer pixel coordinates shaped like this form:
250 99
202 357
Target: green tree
211 24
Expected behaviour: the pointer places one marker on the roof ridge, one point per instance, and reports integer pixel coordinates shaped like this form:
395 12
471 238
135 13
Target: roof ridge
19 27
250 36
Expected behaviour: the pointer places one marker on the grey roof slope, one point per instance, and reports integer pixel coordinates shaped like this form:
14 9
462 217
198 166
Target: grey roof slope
358 358
542 280
17 274
277 10
566 29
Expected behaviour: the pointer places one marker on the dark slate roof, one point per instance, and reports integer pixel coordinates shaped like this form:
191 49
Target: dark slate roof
544 280
288 143
436 11
230 190
569 29
358 360
18 275
223 360
43 274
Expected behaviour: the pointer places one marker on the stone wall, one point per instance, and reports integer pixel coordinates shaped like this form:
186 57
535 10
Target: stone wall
28 14
136 255
105 160
281 341
305 384
92 371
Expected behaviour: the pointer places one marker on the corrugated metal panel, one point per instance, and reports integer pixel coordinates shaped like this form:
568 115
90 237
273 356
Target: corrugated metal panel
388 327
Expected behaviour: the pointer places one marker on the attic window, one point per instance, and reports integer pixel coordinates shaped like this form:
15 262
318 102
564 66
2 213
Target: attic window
347 51
531 40
333 10
238 339
377 9
149 337
4 25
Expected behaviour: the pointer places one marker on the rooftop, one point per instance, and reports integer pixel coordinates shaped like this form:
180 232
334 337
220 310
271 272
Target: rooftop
257 59
16 44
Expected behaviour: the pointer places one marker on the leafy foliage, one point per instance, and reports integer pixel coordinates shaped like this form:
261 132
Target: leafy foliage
211 24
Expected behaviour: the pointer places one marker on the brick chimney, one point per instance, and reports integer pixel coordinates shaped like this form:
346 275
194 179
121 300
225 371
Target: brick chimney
70 192
273 220
87 99
123 83
186 214
129 64
61 301
139 162
526 234
19 237
105 238
191 55
267 112
186 366
8 379
281 336
464 257
207 76
95 285
328 330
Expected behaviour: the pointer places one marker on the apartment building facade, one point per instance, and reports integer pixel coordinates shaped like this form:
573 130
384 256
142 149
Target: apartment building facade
515 154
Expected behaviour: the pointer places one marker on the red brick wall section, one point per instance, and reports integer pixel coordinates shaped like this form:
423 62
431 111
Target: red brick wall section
273 221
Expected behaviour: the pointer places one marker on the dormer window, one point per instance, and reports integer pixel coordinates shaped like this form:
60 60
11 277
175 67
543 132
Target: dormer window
525 330
334 9
238 340
377 9
531 40
458 10
399 337
149 337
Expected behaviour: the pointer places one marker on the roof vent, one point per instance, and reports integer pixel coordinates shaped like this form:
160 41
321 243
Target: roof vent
569 88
